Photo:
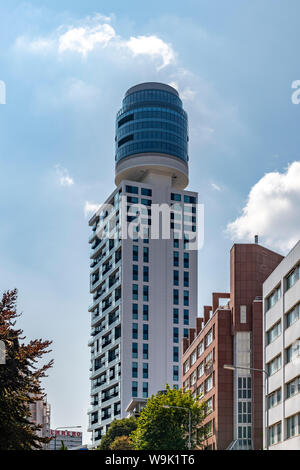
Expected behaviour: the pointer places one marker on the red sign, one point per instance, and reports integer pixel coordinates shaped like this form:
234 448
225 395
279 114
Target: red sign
65 433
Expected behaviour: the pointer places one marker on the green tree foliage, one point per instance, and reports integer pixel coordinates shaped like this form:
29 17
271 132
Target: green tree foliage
19 381
160 428
122 443
118 428
62 446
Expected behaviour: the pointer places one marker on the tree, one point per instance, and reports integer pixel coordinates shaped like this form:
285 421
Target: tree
122 443
118 428
62 446
20 381
160 428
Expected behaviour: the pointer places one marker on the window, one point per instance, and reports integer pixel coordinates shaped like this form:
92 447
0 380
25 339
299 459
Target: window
133 200
208 384
273 298
185 333
146 274
134 390
175 354
274 398
209 338
274 365
292 351
145 332
175 296
145 390
193 357
176 278
189 199
132 189
135 272
134 350
135 295
244 412
135 253
293 387
186 260
146 192
146 254
175 197
145 370
134 369
293 277
186 281
186 317
175 335
186 366
274 434
293 316
274 332
175 315
200 348
145 351
200 370
209 406
176 243
186 298
200 390
146 293
145 312
134 311
176 258
175 373
134 331
193 378
293 425
244 387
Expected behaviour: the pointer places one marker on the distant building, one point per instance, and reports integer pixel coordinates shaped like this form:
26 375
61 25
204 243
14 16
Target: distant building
231 333
71 439
281 350
40 416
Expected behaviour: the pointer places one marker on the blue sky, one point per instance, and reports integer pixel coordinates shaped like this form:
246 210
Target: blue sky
66 66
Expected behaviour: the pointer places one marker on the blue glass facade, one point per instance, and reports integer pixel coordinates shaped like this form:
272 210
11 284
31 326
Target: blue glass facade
152 121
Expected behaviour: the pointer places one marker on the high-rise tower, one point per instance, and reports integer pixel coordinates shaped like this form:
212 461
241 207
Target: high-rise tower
144 286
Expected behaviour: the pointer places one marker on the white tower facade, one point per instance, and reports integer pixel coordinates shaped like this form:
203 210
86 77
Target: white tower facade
143 279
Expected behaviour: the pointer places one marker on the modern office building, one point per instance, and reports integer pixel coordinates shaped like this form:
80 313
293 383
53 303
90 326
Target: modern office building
230 333
40 412
71 439
281 349
143 282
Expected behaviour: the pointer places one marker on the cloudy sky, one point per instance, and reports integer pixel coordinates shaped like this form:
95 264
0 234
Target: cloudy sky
66 65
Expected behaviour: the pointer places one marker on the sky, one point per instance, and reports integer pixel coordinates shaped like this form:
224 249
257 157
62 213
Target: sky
66 66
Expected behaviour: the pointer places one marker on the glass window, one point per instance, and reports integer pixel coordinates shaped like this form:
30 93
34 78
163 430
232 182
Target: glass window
176 258
175 335
175 373
145 312
273 298
175 315
186 319
145 370
175 354
293 387
132 189
134 389
145 390
175 296
146 254
135 331
135 272
135 291
134 350
186 260
134 311
135 253
293 351
274 332
200 348
186 298
292 316
176 278
145 351
274 398
146 192
209 338
146 273
134 369
274 365
175 197
146 293
186 279
145 332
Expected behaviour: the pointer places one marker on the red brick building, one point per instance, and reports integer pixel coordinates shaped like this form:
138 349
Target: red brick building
230 332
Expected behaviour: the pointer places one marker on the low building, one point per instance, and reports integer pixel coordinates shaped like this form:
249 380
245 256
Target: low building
281 293
40 415
70 439
230 333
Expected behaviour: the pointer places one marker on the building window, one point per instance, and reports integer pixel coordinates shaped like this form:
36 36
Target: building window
293 316
200 370
274 398
135 253
175 354
186 298
134 331
134 370
186 366
274 365
146 192
145 371
176 258
244 387
145 390
175 315
175 197
135 291
145 312
274 332
208 384
134 350
145 332
186 260
135 272
175 335
293 425
293 277
186 281
146 293
146 202
135 311
189 199
146 273
273 298
209 338
145 351
274 434
134 389
175 296
193 357
200 348
292 351
146 254
293 387
175 373
176 243
200 390
186 319
244 412
185 333
209 406
132 200
176 278
193 378
132 190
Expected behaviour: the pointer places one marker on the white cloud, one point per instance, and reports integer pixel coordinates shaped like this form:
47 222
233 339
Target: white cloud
152 46
215 186
272 210
90 208
63 176
84 39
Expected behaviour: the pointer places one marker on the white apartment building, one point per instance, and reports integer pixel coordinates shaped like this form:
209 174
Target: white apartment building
282 354
144 287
